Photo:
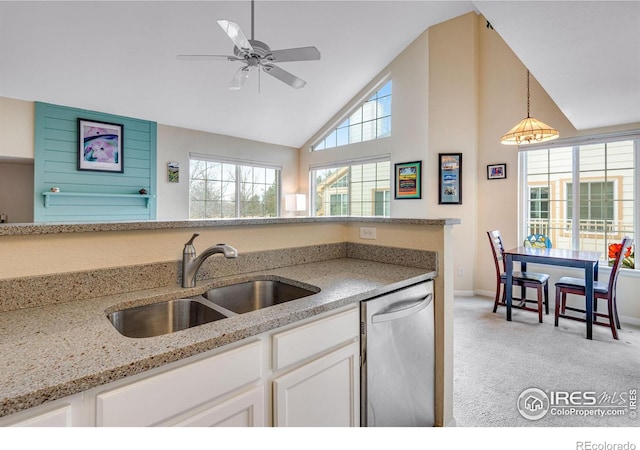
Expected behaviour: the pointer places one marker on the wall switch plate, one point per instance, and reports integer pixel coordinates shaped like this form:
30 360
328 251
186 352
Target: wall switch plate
367 232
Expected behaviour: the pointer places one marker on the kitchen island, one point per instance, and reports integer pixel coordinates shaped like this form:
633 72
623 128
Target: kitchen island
54 351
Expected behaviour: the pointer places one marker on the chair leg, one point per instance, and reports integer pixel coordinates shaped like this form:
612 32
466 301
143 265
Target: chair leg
559 296
612 323
539 304
615 313
546 298
564 302
495 303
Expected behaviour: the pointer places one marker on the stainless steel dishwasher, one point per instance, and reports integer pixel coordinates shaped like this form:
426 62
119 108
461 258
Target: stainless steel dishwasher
397 373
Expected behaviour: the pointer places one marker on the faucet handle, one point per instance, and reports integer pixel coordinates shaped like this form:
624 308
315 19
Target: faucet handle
195 235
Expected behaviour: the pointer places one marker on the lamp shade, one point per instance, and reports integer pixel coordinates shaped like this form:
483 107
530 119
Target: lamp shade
295 202
529 131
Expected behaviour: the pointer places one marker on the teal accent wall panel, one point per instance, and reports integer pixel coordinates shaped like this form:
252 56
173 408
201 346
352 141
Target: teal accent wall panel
91 196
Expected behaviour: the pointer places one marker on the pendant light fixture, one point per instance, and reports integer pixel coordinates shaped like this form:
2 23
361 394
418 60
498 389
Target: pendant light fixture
529 130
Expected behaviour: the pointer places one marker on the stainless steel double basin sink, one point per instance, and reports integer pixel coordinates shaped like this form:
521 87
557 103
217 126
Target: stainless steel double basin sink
218 303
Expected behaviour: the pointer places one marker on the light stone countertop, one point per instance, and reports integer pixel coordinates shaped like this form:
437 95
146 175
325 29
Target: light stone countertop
54 351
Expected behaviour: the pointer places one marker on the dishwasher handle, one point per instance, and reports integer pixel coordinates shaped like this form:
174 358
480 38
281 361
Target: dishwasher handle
402 313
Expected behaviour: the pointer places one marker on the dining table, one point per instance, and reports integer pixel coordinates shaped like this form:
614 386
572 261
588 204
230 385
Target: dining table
582 259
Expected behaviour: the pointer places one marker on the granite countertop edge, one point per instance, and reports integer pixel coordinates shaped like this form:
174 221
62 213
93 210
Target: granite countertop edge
54 351
13 229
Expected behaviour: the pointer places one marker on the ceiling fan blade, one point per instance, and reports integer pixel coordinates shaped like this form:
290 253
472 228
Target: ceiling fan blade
284 76
295 54
207 58
239 79
236 35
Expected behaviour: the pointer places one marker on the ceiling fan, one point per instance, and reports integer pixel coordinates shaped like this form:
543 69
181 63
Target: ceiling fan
257 54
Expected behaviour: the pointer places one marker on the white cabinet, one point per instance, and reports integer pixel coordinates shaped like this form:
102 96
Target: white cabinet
156 399
305 374
65 412
323 388
243 410
324 392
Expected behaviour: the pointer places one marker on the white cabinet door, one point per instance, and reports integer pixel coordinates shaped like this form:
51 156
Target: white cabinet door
65 412
244 410
59 417
159 398
324 392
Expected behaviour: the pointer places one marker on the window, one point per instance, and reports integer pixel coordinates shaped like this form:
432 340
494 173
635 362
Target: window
220 189
582 194
360 189
372 120
596 204
538 203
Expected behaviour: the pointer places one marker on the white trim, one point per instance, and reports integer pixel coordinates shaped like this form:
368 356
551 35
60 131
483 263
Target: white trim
236 161
464 293
326 131
351 162
583 140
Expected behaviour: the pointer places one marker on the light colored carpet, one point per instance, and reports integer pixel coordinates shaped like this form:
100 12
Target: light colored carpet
495 360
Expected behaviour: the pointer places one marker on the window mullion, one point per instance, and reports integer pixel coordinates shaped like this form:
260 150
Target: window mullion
575 216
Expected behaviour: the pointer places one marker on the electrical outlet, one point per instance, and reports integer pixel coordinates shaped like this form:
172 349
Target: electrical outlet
460 271
367 232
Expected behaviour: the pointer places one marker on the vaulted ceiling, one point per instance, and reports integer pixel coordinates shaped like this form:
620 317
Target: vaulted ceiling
120 57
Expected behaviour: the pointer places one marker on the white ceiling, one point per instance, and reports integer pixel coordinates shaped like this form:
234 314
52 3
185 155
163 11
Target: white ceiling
585 54
120 57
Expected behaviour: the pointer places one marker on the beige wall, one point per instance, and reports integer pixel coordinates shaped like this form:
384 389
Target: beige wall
502 104
410 128
16 128
453 125
16 190
175 144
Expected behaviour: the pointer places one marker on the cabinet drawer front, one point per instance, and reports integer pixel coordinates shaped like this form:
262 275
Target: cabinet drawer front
153 400
244 410
60 417
314 338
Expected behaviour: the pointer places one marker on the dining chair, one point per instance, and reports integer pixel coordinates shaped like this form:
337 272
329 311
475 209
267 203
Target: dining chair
539 281
601 291
537 241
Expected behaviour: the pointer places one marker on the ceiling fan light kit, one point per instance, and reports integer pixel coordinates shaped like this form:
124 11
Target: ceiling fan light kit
253 53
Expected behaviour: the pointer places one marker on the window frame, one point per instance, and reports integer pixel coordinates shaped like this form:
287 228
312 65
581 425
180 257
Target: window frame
239 164
349 164
575 144
344 121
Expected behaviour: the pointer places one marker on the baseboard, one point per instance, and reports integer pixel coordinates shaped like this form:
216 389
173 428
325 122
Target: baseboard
626 320
452 423
480 292
464 293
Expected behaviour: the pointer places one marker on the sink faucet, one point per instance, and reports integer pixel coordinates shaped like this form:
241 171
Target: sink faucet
191 263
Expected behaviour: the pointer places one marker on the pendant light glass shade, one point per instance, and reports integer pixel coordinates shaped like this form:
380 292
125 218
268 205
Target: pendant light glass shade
529 130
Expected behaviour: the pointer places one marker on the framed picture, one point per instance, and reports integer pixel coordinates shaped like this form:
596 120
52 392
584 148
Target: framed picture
496 171
100 146
173 172
450 178
408 178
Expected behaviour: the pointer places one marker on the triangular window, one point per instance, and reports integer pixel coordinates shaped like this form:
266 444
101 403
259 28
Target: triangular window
371 120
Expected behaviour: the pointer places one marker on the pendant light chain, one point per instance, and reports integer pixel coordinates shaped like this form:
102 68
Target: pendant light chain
529 130
528 96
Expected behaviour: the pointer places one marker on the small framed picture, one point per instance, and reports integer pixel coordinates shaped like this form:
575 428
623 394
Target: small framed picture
173 172
450 178
100 146
408 180
496 171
